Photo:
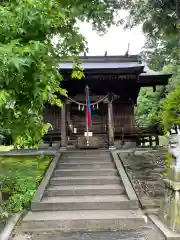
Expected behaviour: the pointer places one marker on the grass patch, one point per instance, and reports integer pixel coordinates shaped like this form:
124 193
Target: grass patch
6 148
19 178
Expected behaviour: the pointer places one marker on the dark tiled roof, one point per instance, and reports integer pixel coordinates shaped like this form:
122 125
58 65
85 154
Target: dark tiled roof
104 62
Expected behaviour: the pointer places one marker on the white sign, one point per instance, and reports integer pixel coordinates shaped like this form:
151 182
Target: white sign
89 134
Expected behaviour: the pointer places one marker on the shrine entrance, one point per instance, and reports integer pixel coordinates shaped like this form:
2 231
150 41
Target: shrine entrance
114 83
99 119
77 124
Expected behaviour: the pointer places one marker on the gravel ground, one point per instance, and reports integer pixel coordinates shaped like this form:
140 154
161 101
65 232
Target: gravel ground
145 170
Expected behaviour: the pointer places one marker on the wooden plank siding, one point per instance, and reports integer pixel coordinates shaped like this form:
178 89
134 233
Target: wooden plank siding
52 115
123 117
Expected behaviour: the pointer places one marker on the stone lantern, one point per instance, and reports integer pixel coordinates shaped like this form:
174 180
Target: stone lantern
170 208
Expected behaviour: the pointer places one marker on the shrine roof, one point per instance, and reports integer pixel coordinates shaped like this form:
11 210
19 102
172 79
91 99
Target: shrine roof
101 64
149 76
117 65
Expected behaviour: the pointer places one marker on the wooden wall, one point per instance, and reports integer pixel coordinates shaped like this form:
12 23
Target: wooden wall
123 117
99 118
52 115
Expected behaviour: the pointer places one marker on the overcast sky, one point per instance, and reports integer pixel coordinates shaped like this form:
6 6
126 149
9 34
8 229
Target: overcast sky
115 42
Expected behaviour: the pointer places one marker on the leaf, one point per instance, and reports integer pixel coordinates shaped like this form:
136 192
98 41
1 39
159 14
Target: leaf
77 74
18 62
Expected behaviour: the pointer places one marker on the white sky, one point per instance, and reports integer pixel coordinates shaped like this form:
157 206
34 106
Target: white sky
115 42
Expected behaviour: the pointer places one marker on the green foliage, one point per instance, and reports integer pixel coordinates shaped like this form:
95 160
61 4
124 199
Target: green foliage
171 109
168 162
163 106
160 20
175 79
35 36
5 137
157 16
147 113
160 52
20 177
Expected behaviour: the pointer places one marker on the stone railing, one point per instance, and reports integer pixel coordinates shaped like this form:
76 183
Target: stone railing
170 208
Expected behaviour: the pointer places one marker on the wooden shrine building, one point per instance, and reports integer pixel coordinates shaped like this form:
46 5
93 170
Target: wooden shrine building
114 83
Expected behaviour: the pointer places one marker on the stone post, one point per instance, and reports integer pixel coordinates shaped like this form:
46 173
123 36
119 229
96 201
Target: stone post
170 208
63 128
110 122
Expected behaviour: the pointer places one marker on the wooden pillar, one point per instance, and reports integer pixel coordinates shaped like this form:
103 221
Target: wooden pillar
63 127
110 122
68 106
150 141
157 140
68 121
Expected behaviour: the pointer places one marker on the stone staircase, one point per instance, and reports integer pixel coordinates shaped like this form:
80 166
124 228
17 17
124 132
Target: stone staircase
86 192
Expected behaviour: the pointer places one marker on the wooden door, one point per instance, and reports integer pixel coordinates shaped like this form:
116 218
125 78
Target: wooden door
99 118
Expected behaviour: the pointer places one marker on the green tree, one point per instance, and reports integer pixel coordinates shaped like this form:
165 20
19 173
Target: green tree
148 107
158 53
159 17
161 24
34 36
170 114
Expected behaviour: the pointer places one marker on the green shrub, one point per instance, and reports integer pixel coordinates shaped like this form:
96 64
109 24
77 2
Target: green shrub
2 138
20 177
5 137
168 162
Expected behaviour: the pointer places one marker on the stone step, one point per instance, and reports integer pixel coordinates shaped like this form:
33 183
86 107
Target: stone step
88 165
91 221
92 180
85 172
84 190
80 160
80 235
86 154
114 202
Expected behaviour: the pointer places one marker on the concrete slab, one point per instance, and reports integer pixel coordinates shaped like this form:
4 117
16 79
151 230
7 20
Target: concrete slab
85 203
70 221
86 165
96 180
127 184
40 191
6 232
85 190
123 235
167 233
85 172
31 152
83 199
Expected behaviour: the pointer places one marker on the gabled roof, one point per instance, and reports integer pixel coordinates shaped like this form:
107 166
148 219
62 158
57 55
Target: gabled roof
117 65
105 64
149 76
